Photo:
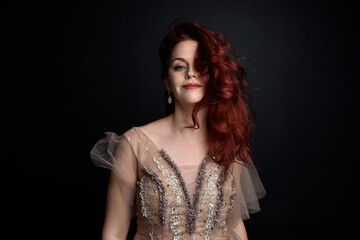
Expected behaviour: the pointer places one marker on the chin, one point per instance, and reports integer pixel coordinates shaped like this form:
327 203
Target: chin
192 101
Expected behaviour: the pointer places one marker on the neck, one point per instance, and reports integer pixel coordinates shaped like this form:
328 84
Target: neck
182 117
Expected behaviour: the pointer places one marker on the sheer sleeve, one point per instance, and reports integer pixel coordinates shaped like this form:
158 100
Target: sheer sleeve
248 190
114 152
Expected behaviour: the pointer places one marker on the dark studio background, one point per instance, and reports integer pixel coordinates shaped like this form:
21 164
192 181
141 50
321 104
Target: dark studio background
75 69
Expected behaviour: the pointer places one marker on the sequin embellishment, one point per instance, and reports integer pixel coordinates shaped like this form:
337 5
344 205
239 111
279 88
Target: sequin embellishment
172 197
210 215
176 216
145 210
232 204
194 206
211 176
161 191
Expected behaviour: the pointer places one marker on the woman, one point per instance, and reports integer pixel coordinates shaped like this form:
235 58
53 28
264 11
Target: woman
209 185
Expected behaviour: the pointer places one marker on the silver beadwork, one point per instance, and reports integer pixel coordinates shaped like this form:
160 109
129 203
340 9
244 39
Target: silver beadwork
205 206
221 194
161 189
177 172
143 196
210 222
232 203
176 215
145 210
193 208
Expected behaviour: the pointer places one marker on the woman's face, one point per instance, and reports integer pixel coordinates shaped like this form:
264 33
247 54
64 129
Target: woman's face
182 79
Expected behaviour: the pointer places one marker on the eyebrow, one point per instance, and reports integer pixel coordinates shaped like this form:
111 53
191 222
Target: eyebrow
181 59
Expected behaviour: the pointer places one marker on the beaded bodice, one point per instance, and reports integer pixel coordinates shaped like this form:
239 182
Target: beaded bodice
166 204
166 208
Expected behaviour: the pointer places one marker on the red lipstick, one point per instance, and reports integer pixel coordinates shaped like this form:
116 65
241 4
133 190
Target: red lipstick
191 86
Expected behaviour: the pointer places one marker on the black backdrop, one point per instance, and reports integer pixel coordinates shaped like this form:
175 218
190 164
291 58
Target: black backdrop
75 69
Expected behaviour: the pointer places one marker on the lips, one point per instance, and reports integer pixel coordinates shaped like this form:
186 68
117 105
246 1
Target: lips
191 86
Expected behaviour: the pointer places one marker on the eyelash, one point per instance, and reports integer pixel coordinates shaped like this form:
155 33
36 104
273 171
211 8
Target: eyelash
179 68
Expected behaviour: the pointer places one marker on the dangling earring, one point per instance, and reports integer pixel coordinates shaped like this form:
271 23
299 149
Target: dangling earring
169 100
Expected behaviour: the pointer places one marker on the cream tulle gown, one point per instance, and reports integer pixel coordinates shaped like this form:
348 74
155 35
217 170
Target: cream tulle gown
176 201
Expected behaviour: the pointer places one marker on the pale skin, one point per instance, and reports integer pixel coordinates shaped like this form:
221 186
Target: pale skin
169 133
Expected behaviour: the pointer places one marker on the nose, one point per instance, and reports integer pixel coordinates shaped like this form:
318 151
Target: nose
190 74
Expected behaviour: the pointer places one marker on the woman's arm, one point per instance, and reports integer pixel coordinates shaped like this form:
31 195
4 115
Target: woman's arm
118 213
241 230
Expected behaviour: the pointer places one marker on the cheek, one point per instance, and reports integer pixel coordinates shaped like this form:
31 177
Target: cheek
175 80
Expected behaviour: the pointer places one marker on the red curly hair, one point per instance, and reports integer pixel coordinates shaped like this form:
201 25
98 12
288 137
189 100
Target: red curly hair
230 118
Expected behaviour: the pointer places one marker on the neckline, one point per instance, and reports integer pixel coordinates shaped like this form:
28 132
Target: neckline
176 167
159 150
191 203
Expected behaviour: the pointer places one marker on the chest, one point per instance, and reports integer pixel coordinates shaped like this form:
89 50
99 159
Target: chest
167 205
184 153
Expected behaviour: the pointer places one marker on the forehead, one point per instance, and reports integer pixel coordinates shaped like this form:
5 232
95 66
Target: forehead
185 49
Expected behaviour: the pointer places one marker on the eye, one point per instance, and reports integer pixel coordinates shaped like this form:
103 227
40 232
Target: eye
179 68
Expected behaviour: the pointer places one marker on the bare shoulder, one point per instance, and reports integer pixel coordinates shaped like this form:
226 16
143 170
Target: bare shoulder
157 128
